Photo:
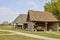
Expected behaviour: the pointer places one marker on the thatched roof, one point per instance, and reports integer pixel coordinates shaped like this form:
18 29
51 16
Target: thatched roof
41 16
21 19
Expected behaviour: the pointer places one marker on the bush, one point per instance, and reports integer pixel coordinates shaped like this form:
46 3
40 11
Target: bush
59 29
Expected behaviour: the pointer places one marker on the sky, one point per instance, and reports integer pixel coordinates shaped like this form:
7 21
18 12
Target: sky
10 9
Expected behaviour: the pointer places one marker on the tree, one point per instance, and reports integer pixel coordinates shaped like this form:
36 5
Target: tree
54 7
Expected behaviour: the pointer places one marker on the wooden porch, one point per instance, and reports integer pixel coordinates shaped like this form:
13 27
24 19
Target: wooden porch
44 26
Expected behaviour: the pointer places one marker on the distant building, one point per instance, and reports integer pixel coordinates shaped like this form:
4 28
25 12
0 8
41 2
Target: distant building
5 22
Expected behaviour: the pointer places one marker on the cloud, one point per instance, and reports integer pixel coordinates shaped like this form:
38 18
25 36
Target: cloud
34 5
6 11
7 14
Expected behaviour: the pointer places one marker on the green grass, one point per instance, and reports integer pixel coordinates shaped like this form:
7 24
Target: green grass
2 32
37 33
15 37
6 27
47 34
42 34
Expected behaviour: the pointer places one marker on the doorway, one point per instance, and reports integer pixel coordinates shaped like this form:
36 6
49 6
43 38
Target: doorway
25 26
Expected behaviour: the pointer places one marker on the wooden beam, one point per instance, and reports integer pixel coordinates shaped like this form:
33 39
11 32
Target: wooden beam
46 26
57 26
22 27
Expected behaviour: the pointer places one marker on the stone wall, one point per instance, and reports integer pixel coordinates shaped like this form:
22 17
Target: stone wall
30 26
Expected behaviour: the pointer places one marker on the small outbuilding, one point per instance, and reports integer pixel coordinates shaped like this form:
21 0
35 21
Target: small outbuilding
42 21
20 22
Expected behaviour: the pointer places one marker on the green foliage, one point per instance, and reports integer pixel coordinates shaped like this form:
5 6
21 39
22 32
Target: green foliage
54 7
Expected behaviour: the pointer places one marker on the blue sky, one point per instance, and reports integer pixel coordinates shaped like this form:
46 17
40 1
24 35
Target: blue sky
10 9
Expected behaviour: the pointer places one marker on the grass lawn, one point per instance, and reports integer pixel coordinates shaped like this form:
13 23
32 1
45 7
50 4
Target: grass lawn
2 32
6 27
37 33
42 34
47 34
15 37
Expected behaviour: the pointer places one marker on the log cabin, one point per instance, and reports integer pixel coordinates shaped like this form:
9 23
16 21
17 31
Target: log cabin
41 21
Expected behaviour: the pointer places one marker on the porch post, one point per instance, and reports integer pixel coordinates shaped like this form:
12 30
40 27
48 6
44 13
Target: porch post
22 26
45 26
14 26
57 26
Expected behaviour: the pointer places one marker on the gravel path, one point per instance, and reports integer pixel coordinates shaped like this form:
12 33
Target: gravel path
30 35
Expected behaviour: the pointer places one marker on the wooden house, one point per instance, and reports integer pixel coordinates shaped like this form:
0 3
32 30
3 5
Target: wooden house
20 22
41 21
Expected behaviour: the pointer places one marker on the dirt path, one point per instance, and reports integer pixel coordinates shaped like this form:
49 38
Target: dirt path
30 35
8 34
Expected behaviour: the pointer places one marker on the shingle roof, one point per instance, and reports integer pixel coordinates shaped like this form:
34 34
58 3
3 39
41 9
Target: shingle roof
21 19
41 16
